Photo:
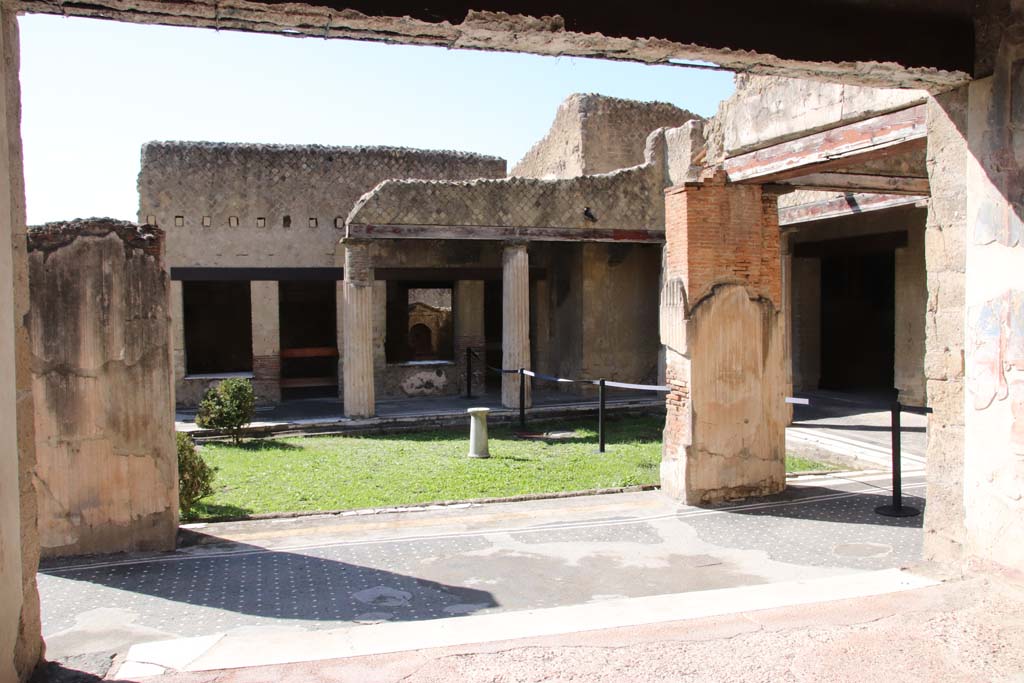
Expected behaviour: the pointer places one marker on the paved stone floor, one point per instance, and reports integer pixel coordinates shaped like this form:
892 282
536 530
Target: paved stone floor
317 573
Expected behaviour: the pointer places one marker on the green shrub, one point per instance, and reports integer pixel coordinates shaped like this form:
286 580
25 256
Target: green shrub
229 406
195 477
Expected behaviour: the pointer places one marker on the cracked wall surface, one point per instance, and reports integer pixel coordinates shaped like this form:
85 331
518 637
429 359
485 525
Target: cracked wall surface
107 474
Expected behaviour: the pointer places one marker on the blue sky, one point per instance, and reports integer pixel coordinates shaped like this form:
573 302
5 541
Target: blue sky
94 91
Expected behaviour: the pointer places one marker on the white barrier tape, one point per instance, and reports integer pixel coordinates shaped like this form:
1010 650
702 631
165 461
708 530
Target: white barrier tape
642 387
549 378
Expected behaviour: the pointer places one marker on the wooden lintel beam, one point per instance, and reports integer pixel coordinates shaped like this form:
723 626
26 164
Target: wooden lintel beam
842 206
860 182
484 232
894 133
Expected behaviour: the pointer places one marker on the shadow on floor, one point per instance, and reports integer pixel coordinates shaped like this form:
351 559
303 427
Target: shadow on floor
832 505
283 585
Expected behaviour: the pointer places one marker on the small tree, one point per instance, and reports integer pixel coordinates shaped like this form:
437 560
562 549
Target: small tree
195 477
228 406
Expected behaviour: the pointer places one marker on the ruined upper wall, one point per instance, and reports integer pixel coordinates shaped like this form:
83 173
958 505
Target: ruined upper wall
274 205
766 110
597 134
625 200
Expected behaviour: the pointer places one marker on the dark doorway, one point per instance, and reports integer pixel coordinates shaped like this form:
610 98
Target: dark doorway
309 341
492 332
218 327
858 321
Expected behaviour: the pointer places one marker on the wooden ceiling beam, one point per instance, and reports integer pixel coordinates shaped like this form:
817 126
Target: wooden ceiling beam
860 182
898 132
842 206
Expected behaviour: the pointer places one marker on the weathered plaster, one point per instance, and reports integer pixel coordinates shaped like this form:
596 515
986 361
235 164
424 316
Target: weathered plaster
107 474
994 348
722 324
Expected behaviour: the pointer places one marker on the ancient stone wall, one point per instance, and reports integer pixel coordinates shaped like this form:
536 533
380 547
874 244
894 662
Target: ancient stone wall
107 472
620 312
625 200
945 238
274 205
597 134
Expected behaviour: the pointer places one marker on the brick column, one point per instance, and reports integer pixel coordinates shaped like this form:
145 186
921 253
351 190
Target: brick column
266 341
725 344
469 331
515 332
358 331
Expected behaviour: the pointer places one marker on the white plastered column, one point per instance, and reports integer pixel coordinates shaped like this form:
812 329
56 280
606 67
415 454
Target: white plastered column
357 331
515 333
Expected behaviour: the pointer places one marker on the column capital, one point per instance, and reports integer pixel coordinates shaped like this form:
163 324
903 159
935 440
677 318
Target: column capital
355 241
515 242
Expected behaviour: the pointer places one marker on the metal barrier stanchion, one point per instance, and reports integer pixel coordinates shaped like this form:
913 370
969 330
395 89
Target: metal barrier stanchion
469 372
600 416
522 398
897 508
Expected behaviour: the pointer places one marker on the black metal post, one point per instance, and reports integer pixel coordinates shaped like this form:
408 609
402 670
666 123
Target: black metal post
469 372
600 415
897 509
522 397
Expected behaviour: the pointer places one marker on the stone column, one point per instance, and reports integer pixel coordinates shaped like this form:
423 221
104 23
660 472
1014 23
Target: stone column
266 341
515 332
911 303
358 331
722 325
469 331
178 335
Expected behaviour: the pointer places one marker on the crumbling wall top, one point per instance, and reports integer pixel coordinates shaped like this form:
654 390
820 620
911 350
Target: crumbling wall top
56 235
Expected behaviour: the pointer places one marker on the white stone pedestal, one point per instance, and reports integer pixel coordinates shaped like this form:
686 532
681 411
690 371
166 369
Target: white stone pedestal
478 432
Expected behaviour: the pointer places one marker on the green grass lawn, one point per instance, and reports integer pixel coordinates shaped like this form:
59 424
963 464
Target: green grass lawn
349 472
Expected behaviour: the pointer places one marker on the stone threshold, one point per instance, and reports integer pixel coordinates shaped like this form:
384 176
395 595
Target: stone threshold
271 647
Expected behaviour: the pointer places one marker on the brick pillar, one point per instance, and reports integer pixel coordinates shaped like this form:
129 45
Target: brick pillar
469 331
723 328
358 331
266 341
515 332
